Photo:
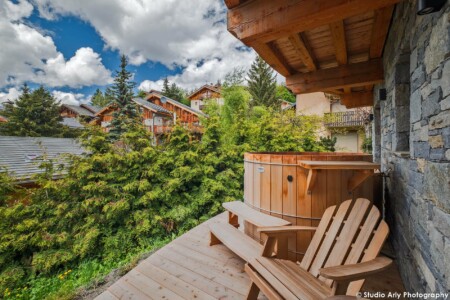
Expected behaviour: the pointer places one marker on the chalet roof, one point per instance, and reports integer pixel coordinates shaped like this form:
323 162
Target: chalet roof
92 108
177 103
72 123
21 156
151 106
319 46
206 86
79 110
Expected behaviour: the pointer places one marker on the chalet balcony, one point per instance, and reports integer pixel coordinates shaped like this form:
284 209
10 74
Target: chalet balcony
209 261
345 119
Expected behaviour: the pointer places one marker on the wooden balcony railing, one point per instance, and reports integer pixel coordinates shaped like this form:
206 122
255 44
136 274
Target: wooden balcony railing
345 119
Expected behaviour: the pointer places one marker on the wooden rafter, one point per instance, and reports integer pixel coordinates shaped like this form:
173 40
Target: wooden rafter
380 30
351 75
270 54
268 20
301 46
340 45
357 99
232 3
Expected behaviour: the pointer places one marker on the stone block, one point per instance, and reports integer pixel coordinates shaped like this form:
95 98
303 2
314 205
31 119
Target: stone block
437 154
421 134
416 107
437 184
421 150
430 105
438 46
418 78
445 104
421 163
436 141
445 79
441 220
446 137
447 154
416 180
440 121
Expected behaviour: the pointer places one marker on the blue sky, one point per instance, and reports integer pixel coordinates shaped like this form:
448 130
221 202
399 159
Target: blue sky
73 47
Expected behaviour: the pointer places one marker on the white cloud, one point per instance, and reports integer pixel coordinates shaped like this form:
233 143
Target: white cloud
187 34
30 55
83 69
70 98
11 95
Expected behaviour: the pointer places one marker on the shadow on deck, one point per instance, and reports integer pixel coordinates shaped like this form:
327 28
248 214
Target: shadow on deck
188 268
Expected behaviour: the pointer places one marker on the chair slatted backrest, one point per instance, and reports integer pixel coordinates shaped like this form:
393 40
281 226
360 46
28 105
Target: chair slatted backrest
351 233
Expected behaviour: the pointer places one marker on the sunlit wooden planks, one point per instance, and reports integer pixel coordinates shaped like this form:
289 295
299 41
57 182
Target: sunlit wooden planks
268 20
359 74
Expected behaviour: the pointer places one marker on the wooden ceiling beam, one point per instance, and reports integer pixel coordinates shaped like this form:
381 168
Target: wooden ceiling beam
380 30
340 45
232 3
351 75
304 51
354 100
268 20
271 55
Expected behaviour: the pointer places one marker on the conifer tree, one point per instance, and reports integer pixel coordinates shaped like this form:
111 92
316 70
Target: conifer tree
166 87
99 99
126 112
34 114
262 84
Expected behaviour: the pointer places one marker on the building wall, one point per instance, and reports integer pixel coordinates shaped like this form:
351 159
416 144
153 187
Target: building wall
414 143
312 104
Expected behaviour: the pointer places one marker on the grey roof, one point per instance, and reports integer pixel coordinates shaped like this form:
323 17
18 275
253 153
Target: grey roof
92 108
21 156
72 123
151 105
79 110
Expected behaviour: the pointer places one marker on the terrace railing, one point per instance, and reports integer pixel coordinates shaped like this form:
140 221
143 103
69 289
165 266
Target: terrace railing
346 119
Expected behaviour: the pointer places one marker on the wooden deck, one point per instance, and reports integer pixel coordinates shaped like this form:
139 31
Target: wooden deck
188 268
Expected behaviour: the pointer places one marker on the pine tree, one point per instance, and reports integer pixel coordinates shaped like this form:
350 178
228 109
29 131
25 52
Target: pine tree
262 84
126 112
99 99
166 87
33 114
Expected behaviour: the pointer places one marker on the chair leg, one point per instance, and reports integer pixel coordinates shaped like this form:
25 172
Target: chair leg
253 292
213 240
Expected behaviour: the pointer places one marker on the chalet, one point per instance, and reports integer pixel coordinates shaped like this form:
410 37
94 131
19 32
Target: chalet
206 92
83 111
21 156
159 113
75 115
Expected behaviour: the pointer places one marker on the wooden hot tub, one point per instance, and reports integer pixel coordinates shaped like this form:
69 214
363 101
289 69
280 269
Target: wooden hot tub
298 187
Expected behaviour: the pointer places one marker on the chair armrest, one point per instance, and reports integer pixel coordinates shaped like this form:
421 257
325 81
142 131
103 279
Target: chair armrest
347 273
285 229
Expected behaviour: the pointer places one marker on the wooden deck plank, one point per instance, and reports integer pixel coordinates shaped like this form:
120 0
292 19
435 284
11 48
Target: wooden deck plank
188 268
213 288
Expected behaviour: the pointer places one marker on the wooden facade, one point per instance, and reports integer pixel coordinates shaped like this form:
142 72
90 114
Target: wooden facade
329 46
206 92
159 114
182 114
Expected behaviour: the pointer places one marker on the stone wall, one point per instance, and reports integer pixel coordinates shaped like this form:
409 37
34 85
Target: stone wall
414 143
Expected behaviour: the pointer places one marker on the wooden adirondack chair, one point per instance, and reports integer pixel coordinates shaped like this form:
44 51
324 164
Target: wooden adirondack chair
342 253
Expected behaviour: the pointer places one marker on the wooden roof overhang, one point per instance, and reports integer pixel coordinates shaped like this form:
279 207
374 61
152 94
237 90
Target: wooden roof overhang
332 46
